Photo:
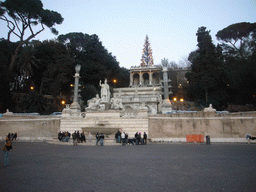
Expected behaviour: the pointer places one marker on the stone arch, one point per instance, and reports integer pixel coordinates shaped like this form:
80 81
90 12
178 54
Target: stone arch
136 79
145 79
155 78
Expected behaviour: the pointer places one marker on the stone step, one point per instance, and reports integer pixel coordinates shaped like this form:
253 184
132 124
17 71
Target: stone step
92 142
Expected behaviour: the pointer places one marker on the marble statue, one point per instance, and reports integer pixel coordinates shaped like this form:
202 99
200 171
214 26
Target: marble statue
116 103
93 103
105 93
209 109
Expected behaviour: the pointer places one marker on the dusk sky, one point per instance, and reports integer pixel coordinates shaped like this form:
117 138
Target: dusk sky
123 25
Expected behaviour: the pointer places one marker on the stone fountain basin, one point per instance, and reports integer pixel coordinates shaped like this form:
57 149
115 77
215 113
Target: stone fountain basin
104 130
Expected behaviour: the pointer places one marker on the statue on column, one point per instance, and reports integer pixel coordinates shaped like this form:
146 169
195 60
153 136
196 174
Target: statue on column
105 93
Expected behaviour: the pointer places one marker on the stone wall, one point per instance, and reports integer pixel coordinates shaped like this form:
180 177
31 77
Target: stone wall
32 128
128 125
230 127
220 127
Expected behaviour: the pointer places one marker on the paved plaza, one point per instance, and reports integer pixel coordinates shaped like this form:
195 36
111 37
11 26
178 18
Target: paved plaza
36 166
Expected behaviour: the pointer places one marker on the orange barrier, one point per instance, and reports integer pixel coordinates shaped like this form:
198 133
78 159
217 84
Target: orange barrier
195 138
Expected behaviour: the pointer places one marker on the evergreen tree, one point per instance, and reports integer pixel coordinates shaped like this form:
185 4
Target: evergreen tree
147 57
207 80
26 19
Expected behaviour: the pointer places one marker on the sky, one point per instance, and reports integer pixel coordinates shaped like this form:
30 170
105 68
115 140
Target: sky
122 25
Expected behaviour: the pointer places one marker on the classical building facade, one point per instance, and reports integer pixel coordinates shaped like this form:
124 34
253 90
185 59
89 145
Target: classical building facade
144 92
145 76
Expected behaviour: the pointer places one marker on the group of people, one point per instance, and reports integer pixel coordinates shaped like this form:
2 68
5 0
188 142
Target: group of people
64 136
8 147
77 137
138 138
12 136
121 137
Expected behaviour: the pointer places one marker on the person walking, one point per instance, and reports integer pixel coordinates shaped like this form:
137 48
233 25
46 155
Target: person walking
97 138
101 139
6 149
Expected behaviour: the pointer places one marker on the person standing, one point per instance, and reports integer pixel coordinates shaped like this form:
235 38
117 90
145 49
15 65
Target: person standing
137 137
123 138
15 136
6 149
74 136
90 136
83 138
119 136
101 139
126 138
116 137
97 138
145 138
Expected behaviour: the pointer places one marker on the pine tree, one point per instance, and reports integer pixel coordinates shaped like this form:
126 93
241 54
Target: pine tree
207 79
147 58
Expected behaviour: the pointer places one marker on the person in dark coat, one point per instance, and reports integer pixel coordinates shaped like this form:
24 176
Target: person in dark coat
60 135
119 137
74 136
97 138
145 136
137 138
101 139
15 136
83 138
116 137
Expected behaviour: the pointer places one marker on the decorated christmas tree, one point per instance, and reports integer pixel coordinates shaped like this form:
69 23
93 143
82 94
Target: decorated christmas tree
147 58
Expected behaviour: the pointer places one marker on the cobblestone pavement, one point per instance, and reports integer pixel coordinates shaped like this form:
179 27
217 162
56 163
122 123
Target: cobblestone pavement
163 167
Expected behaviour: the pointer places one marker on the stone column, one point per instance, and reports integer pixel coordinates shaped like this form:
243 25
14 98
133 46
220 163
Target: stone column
165 81
150 77
140 78
75 107
131 79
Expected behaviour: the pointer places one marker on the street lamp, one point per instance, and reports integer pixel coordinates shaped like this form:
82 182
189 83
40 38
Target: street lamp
63 102
114 83
31 88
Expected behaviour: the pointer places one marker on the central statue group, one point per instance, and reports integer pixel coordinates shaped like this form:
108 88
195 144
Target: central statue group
97 103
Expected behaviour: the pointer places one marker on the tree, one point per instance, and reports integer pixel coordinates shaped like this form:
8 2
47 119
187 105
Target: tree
239 45
207 79
5 55
96 62
147 57
21 16
33 102
56 69
239 39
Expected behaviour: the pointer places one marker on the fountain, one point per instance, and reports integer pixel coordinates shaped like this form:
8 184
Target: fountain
101 127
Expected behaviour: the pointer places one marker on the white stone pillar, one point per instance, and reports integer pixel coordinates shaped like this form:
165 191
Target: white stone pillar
150 77
131 79
140 78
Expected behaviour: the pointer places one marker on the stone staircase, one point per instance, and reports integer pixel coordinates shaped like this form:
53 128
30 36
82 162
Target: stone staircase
107 141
